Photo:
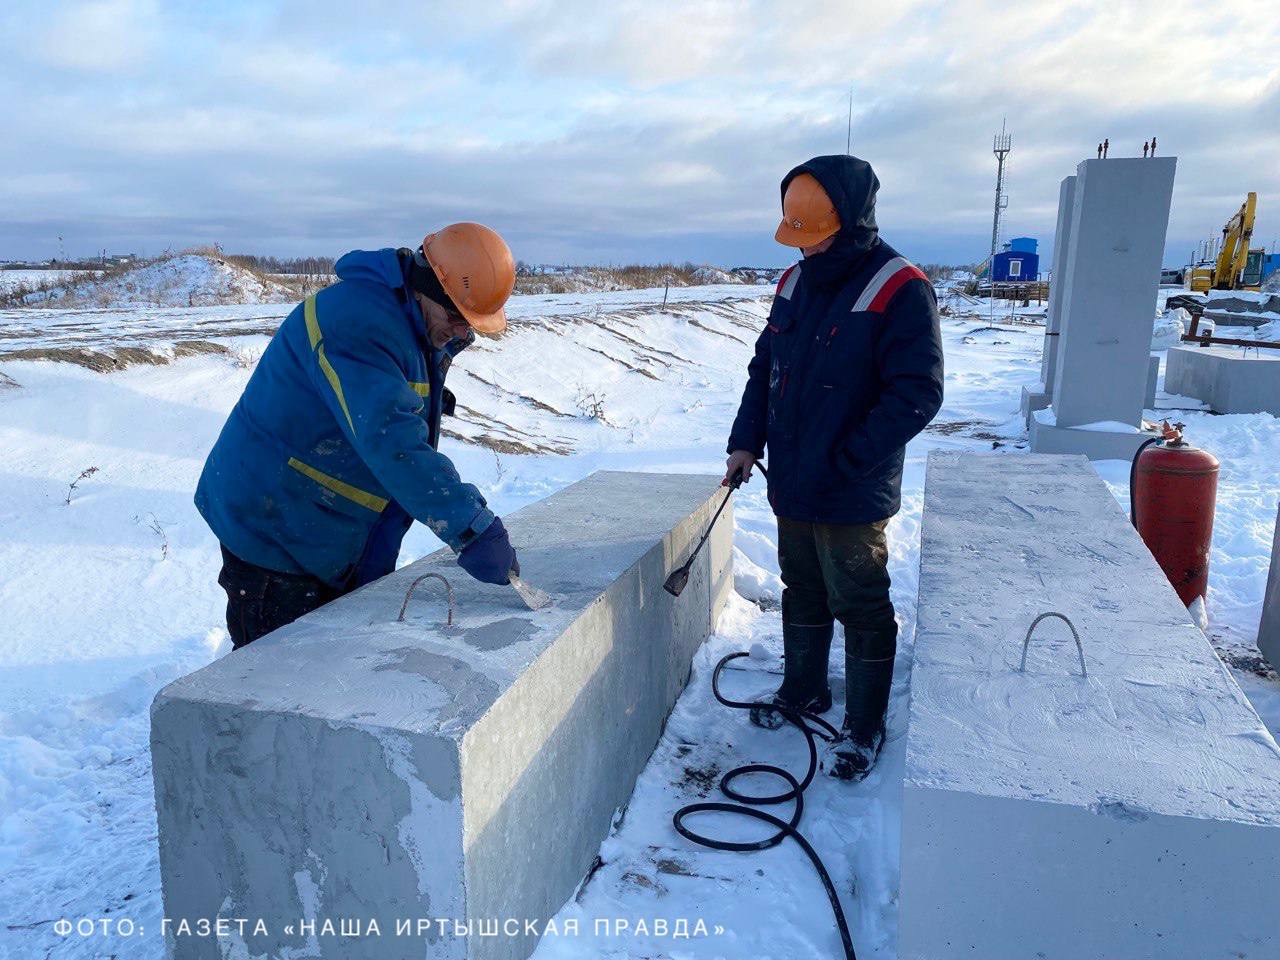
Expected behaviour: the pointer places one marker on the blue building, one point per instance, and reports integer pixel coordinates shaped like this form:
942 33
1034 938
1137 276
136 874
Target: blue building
1270 264
1017 262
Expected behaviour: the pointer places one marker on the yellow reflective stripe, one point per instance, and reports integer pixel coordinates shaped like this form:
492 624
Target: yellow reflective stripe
317 344
341 488
421 389
313 324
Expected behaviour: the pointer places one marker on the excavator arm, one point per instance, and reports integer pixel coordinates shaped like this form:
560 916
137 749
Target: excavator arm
1234 254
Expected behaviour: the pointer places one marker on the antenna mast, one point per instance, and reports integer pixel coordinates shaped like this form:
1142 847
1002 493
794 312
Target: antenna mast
848 136
1001 145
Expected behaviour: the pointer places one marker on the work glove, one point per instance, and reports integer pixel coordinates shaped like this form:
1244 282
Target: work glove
738 468
490 558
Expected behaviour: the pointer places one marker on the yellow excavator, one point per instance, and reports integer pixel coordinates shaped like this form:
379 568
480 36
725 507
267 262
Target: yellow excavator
1237 267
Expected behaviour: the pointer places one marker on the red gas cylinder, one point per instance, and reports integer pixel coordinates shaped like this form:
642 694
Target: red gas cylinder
1174 491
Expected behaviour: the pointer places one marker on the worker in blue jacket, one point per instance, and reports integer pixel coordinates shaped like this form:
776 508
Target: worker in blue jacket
848 369
330 453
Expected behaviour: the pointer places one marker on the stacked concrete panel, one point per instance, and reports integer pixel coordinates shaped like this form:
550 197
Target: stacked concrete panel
1120 214
1269 630
1153 381
1130 812
351 766
1228 379
1038 395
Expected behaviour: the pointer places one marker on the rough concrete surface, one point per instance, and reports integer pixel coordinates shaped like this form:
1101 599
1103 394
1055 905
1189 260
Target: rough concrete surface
1130 813
1228 379
352 766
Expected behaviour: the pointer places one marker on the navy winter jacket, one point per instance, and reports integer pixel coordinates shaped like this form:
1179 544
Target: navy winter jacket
330 453
848 369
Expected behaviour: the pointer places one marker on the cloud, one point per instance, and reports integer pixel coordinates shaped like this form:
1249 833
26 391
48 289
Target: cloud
591 131
98 35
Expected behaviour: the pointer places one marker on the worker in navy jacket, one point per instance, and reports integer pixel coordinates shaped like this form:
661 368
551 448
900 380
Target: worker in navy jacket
330 453
848 369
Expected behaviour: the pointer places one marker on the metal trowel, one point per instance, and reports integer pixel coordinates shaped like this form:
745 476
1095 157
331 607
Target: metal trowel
531 596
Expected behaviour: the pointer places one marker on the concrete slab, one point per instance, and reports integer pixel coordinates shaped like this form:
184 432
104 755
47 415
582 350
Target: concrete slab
1269 629
1114 441
1133 812
1153 381
1227 318
350 766
1057 283
1228 379
1119 219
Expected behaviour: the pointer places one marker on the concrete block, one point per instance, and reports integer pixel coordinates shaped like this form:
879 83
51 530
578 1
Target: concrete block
353 766
1133 812
1034 397
1269 629
1053 315
1153 381
1228 379
1120 216
1098 441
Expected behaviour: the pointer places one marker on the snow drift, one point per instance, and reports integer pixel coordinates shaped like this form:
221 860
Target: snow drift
182 280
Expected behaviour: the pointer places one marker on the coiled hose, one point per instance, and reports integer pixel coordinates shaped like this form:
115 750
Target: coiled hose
746 805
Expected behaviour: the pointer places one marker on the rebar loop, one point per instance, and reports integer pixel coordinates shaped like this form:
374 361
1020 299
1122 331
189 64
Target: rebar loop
409 593
1075 633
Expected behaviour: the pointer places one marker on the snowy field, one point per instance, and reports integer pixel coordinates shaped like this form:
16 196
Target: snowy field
107 598
11 279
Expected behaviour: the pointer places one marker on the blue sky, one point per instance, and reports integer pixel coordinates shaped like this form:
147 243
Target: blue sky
608 132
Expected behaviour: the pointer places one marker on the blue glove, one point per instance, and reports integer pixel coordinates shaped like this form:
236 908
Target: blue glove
490 558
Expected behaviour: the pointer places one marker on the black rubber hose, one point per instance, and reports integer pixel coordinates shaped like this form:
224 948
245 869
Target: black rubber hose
746 804
1133 473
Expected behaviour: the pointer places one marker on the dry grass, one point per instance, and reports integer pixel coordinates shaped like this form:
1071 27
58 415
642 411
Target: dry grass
301 285
117 358
16 295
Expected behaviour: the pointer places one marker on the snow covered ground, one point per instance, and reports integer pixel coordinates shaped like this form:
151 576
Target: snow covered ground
182 280
11 279
107 598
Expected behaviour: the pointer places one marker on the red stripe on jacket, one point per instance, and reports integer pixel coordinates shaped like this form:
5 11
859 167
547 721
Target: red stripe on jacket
895 283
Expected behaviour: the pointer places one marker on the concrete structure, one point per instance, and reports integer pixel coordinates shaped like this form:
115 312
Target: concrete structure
1241 308
1133 812
1269 629
1153 381
1228 379
350 766
1120 213
1039 395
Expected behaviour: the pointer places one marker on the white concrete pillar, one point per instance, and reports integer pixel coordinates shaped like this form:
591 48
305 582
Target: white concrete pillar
1113 272
1039 395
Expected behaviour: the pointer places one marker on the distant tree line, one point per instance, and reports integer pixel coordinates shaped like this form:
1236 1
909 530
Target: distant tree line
941 271
306 266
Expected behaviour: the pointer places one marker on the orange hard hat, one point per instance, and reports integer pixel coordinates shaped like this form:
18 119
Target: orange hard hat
808 216
475 267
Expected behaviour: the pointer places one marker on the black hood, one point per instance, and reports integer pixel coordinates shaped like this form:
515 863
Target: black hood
851 184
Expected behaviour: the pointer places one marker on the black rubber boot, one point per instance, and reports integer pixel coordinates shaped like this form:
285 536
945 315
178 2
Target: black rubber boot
806 649
868 678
